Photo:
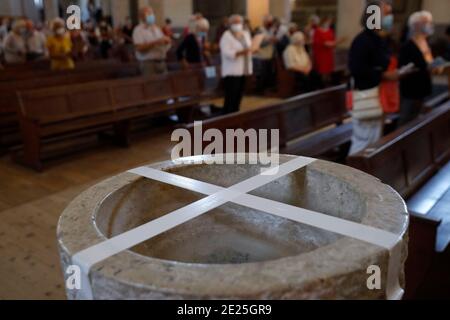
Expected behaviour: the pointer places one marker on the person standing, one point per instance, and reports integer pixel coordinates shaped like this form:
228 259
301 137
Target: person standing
36 43
418 85
151 44
60 47
80 44
236 52
106 38
285 41
221 29
127 30
194 47
309 30
4 29
14 44
167 28
263 59
324 44
368 63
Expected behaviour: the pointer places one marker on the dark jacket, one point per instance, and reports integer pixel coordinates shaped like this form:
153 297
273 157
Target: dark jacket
417 85
369 59
190 50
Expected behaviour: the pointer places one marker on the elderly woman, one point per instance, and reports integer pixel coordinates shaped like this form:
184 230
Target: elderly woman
14 44
417 86
59 47
236 51
297 60
194 48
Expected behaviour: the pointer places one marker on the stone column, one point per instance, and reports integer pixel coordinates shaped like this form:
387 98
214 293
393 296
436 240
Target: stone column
179 11
16 8
282 9
30 10
106 7
119 10
349 18
256 10
440 10
51 9
5 7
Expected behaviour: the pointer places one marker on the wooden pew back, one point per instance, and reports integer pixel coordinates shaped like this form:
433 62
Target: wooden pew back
408 157
294 117
30 71
9 103
50 105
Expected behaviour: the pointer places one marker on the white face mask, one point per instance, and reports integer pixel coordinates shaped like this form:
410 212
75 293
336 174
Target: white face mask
60 31
237 27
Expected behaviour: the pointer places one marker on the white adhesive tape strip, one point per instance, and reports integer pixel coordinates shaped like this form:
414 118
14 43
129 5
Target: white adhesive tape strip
97 253
381 238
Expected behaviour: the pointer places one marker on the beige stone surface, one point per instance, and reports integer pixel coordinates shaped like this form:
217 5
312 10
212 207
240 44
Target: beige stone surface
234 252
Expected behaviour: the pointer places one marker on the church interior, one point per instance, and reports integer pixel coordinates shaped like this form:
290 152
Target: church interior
90 89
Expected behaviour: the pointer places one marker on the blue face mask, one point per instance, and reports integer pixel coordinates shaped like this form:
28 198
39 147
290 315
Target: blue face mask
202 34
388 23
151 19
428 29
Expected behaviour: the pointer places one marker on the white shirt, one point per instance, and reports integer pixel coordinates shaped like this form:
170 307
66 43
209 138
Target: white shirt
12 46
229 47
143 34
37 43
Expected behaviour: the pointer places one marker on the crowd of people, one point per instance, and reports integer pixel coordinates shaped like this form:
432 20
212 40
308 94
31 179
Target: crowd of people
386 80
22 41
387 76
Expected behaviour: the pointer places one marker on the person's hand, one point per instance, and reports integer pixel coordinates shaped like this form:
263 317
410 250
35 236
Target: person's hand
438 70
165 40
308 70
244 52
185 64
341 40
391 75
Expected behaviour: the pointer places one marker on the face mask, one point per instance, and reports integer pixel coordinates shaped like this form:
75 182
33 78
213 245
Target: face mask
151 19
388 23
326 26
60 31
428 29
237 27
201 34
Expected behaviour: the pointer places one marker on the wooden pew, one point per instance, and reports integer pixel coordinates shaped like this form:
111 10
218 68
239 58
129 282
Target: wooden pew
405 160
26 71
9 125
295 117
421 253
286 82
49 115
